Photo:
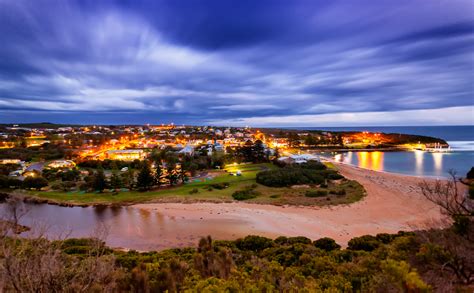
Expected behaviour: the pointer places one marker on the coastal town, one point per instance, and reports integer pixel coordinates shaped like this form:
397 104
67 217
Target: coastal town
164 187
236 146
31 149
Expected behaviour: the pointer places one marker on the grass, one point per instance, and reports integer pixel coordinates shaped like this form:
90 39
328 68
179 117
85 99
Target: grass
330 165
186 192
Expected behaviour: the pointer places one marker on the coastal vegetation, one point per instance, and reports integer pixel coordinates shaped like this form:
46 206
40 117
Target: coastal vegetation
308 173
439 260
213 186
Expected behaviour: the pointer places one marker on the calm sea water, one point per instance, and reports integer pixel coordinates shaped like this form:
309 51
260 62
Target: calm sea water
461 159
448 133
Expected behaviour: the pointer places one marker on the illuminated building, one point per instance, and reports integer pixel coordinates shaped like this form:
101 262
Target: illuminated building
126 155
62 164
10 161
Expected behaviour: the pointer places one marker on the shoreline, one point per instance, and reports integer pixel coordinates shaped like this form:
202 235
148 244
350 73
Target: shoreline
393 203
34 199
330 160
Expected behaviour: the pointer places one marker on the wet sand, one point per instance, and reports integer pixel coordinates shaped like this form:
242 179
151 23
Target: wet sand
393 203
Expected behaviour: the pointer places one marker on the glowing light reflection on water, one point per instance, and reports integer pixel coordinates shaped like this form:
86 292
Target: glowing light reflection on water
417 163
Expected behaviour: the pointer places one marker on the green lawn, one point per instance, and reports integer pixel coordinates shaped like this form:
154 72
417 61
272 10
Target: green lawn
182 193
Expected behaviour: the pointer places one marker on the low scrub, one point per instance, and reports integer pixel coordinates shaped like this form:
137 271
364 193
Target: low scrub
220 186
310 173
316 193
248 192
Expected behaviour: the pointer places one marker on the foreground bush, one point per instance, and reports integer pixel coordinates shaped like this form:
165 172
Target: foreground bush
327 244
249 264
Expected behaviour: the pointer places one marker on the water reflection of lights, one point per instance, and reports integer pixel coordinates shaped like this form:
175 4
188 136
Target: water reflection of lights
363 159
349 157
419 161
338 158
368 160
376 161
438 163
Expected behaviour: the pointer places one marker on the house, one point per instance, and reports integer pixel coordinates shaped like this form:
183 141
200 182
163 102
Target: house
304 158
10 161
187 150
126 155
61 164
298 159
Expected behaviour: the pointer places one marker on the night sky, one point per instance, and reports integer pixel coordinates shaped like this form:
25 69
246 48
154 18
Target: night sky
258 63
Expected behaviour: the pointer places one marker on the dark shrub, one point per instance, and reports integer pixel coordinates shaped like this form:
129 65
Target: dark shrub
254 243
288 176
366 243
313 165
462 224
193 191
309 173
14 183
326 244
341 192
220 186
35 182
470 174
282 240
335 176
64 186
385 238
245 194
316 193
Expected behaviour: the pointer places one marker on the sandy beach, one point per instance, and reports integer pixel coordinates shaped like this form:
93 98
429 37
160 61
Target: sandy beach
393 203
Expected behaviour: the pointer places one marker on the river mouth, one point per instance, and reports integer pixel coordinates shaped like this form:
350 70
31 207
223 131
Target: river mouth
393 203
132 227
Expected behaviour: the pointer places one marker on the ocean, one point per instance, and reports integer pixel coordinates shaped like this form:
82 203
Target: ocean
448 133
418 163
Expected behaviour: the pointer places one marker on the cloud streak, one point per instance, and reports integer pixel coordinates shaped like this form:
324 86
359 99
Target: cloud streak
181 61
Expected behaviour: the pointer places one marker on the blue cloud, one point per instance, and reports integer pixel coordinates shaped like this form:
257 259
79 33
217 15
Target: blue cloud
189 62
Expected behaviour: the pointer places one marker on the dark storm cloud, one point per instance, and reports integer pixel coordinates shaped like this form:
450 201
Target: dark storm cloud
228 61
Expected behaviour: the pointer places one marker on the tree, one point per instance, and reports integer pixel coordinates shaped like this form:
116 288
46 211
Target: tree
145 178
128 178
258 152
185 167
99 183
70 175
453 202
35 182
310 140
158 172
171 170
277 153
116 181
451 249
